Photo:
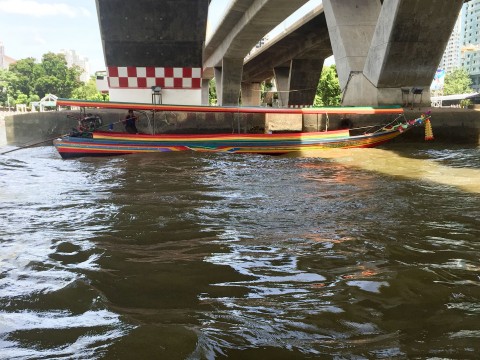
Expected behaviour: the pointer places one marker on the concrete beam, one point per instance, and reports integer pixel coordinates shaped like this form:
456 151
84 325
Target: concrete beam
296 58
232 16
246 22
307 38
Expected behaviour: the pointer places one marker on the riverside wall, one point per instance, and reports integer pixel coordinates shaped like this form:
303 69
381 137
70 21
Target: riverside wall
450 125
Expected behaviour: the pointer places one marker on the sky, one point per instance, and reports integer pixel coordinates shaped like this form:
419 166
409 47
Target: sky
31 28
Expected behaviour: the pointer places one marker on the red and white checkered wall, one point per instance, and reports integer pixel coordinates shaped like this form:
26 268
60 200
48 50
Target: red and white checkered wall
131 77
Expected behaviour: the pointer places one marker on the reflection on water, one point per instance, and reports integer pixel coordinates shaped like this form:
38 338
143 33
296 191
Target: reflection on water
362 254
428 167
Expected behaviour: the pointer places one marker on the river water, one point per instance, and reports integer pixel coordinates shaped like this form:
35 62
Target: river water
361 254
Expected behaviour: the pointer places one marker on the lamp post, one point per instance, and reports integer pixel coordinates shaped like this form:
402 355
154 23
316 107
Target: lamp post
156 100
156 95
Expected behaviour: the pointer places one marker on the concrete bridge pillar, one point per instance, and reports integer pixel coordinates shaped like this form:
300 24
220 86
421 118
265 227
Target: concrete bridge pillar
228 79
251 95
304 77
380 49
205 91
351 25
282 80
297 84
151 43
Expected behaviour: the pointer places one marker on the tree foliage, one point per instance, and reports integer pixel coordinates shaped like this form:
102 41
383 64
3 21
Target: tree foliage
328 89
457 82
26 72
28 80
88 91
6 90
212 92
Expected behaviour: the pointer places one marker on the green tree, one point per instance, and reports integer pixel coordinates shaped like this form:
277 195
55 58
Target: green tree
457 82
88 91
212 92
265 88
51 76
7 91
21 98
47 85
26 73
33 98
58 78
328 89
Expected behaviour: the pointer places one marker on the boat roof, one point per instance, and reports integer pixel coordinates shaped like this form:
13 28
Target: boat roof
391 109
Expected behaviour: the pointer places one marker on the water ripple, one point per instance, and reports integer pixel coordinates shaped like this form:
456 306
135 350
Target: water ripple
205 256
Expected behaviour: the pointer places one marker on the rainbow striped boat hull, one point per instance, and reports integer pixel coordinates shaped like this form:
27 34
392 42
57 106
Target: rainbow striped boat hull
110 143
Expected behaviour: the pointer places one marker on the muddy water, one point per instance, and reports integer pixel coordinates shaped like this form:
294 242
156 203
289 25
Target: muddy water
362 254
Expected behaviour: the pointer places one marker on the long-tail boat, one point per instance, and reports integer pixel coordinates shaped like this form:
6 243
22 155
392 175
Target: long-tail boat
88 140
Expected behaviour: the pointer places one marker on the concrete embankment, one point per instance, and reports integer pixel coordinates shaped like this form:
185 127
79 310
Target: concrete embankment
3 135
450 126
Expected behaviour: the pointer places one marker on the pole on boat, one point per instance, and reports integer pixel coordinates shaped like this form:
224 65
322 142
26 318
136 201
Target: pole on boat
156 100
153 120
31 145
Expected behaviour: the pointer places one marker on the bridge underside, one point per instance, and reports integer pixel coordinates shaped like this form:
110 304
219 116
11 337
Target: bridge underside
295 61
244 25
380 48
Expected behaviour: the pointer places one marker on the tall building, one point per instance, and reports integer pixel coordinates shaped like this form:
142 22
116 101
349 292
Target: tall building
471 41
451 58
74 59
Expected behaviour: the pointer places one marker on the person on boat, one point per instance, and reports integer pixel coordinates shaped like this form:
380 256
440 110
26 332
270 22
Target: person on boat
346 123
130 123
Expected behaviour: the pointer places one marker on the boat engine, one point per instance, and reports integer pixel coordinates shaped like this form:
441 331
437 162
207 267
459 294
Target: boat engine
86 125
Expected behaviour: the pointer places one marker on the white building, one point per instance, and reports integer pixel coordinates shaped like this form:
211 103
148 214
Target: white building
74 59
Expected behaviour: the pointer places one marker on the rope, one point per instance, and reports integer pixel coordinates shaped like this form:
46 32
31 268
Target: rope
285 91
391 122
